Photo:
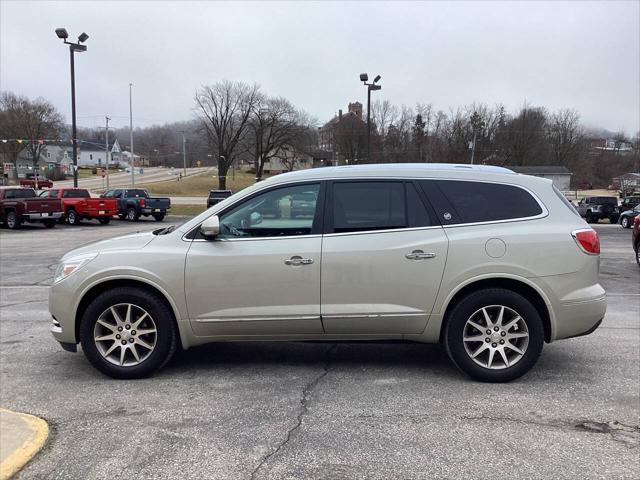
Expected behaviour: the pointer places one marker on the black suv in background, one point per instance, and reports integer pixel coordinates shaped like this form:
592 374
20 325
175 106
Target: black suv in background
594 209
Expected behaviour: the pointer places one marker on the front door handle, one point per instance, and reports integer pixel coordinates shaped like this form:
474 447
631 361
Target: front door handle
419 255
297 260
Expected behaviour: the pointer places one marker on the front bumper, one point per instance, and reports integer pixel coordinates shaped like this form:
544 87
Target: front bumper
33 217
62 309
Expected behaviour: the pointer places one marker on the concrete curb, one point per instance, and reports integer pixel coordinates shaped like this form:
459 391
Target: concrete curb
25 435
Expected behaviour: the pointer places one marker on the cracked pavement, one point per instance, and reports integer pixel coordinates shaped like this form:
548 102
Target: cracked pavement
320 410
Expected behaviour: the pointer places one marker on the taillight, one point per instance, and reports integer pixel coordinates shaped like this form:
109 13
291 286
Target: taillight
142 202
587 240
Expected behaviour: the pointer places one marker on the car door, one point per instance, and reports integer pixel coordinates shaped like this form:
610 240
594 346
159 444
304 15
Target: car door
383 257
261 275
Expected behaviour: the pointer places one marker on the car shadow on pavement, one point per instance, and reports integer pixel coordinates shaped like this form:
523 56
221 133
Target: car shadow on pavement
382 355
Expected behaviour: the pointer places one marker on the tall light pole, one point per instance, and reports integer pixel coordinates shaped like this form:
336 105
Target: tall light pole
133 180
370 86
106 147
73 47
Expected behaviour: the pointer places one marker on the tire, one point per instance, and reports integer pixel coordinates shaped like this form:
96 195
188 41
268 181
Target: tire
625 222
49 223
638 253
590 218
73 218
529 330
159 217
104 220
13 222
132 215
160 318
614 218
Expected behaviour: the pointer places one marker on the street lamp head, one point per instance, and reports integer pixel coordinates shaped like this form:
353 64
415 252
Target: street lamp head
83 37
375 87
77 47
364 77
377 79
62 33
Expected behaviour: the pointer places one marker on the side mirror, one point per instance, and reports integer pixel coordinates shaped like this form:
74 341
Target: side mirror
210 228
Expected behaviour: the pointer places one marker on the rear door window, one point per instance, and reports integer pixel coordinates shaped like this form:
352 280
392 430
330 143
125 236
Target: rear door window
379 205
486 202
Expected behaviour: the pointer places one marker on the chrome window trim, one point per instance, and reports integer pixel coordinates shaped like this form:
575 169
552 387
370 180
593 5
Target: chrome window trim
545 211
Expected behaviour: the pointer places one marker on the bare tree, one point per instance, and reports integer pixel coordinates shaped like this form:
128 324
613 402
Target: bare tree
40 120
26 125
274 124
225 109
11 107
565 137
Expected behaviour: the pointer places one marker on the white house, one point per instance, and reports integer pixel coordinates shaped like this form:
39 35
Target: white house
95 156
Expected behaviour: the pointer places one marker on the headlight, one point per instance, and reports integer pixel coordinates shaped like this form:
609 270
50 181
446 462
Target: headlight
70 265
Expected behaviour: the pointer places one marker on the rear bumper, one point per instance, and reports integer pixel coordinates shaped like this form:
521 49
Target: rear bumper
35 217
574 319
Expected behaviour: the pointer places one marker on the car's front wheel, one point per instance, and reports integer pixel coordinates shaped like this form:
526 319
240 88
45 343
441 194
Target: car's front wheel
128 333
494 335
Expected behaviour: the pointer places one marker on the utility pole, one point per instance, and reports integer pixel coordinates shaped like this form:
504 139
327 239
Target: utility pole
133 181
106 146
473 147
184 156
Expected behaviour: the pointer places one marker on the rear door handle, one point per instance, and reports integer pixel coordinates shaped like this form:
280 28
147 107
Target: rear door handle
419 255
298 260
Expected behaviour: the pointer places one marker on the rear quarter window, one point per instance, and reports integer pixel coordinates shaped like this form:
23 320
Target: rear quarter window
486 202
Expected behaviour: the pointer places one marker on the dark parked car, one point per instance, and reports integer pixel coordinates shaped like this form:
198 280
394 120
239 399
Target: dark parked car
18 205
136 202
629 203
216 196
594 209
626 218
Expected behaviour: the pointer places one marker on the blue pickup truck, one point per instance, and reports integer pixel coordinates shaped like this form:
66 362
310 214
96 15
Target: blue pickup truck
136 202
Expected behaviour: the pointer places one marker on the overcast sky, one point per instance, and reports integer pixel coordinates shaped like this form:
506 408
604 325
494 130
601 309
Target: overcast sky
582 55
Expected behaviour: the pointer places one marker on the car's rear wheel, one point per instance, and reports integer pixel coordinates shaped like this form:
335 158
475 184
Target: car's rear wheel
625 222
73 218
12 221
128 333
132 215
494 335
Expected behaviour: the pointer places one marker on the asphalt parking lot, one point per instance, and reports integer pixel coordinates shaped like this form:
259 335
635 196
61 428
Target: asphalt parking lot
304 410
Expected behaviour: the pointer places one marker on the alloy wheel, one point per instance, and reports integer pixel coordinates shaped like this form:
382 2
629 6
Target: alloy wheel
495 337
125 334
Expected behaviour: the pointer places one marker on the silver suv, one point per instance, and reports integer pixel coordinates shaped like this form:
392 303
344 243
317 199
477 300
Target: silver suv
490 263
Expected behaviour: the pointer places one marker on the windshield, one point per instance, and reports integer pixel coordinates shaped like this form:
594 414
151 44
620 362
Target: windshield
612 200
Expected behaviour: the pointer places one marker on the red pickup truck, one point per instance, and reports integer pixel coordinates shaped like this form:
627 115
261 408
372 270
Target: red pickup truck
31 182
18 205
77 205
